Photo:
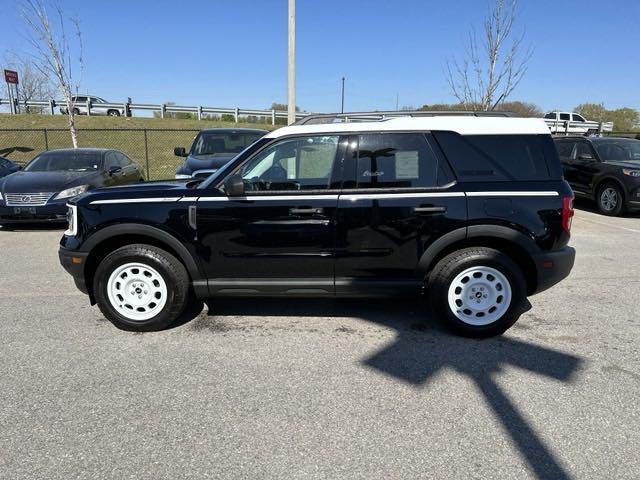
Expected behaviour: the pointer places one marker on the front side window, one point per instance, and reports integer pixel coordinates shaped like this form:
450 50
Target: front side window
565 149
304 163
395 160
583 151
578 118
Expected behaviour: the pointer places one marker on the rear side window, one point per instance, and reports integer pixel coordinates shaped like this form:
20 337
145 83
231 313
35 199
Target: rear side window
396 160
550 116
498 157
565 116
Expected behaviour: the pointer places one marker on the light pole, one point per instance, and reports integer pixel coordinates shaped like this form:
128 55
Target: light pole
342 102
291 78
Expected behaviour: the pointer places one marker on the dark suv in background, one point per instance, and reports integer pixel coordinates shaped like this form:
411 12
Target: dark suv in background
603 169
470 210
212 148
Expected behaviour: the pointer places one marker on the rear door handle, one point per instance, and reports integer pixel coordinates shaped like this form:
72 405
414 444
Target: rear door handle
435 209
305 211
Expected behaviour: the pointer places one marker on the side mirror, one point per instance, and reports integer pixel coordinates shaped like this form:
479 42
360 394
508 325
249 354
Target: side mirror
585 156
234 186
179 152
115 169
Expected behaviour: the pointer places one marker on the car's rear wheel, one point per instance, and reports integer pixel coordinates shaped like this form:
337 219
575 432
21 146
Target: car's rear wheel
141 287
477 291
76 111
610 199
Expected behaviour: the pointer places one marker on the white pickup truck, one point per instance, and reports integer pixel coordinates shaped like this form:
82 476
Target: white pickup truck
573 123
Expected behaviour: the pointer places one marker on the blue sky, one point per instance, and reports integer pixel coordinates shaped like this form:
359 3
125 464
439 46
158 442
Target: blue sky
233 52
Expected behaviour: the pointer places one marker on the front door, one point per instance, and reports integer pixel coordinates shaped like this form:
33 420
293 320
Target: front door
279 237
399 197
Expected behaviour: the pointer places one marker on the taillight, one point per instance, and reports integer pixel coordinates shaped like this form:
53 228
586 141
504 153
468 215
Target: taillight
567 213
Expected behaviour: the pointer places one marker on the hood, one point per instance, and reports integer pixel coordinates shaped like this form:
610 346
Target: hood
624 164
207 162
34 182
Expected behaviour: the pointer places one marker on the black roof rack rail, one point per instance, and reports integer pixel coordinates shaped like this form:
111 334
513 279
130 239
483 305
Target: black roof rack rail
313 118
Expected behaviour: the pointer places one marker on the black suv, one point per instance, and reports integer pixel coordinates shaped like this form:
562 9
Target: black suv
603 169
472 211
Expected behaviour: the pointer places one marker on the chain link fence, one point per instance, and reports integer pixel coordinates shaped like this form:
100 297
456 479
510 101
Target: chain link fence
152 149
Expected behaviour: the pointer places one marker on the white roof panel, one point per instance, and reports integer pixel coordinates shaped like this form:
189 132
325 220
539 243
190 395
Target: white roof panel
460 124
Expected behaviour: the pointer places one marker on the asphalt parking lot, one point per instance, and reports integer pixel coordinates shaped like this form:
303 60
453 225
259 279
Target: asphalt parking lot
319 389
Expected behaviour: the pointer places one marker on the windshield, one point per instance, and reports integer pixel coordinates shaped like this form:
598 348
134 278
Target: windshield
626 149
223 144
229 166
65 161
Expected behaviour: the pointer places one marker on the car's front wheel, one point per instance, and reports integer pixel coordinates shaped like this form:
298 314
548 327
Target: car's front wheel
113 113
610 199
141 287
477 291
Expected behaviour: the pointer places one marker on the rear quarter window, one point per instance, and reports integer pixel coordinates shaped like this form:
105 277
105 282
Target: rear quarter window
500 157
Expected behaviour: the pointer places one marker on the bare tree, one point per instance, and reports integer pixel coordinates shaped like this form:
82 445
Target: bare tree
490 71
55 54
34 84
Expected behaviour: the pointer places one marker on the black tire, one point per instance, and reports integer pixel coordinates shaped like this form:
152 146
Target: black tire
454 264
113 113
171 270
76 111
608 192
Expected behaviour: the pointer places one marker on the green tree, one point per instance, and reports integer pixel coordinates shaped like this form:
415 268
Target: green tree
624 119
592 111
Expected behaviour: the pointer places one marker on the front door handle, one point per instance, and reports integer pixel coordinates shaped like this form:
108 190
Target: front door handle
434 209
305 211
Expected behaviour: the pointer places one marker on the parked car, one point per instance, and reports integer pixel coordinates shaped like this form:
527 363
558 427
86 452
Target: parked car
578 125
603 169
471 210
212 148
7 167
40 192
98 107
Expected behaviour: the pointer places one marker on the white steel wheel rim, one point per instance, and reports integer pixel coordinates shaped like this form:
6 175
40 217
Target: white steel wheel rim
479 295
136 291
609 198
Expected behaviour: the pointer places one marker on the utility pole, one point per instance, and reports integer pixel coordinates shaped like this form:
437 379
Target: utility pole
342 102
397 101
291 79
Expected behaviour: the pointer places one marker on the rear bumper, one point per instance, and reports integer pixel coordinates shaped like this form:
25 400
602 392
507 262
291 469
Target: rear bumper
552 267
74 262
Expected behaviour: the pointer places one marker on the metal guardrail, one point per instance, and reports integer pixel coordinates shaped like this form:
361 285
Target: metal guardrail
200 111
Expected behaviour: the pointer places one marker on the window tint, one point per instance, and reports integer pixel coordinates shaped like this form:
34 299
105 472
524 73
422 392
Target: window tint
578 118
495 157
110 161
4 163
583 148
295 164
74 161
550 115
223 144
565 116
564 149
395 160
123 160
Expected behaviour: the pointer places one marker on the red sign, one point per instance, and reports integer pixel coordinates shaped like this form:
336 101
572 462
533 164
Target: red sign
11 76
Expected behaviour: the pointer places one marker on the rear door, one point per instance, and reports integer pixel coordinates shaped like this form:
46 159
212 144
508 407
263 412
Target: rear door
399 197
279 238
584 167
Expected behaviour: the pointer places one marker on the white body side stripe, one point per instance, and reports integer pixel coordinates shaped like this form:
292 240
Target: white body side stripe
513 194
346 196
136 200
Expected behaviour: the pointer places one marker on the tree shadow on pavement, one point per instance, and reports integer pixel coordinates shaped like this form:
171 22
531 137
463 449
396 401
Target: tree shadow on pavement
422 348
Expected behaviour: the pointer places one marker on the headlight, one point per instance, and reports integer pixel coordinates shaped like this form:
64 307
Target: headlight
631 173
72 192
181 176
72 218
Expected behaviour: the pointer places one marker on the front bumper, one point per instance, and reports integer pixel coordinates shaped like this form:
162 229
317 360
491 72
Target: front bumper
74 263
50 213
552 267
